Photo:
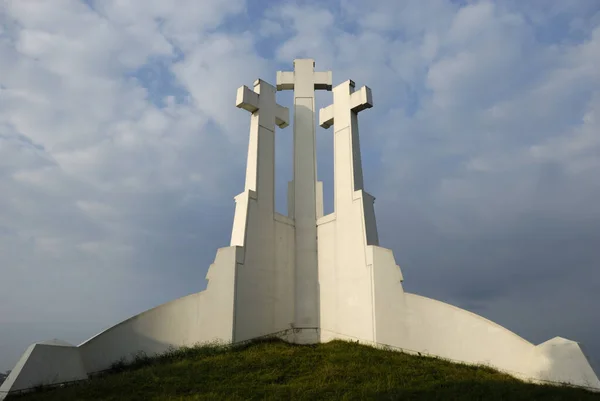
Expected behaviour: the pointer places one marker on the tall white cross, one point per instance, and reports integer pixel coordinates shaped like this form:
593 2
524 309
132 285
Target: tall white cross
266 114
304 80
343 113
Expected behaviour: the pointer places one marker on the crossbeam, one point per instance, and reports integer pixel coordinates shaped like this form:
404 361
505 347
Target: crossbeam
303 190
343 113
271 112
260 168
304 78
358 101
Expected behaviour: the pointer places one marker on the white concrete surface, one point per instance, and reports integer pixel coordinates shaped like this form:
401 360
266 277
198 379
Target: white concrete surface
309 276
562 360
304 80
264 301
345 257
201 317
45 363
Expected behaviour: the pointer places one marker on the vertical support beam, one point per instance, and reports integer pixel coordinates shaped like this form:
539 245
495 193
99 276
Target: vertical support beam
304 80
260 168
348 174
343 115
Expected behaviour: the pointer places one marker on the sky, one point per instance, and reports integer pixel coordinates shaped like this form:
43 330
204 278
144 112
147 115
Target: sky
121 150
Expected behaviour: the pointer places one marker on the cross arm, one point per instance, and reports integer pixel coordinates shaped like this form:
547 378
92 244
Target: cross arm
285 80
361 99
246 99
326 116
323 80
282 116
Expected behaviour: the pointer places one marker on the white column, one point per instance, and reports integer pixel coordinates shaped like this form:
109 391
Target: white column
343 113
348 175
260 169
304 80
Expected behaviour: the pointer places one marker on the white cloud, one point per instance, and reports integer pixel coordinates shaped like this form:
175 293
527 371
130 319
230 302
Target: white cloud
184 22
213 70
94 175
483 142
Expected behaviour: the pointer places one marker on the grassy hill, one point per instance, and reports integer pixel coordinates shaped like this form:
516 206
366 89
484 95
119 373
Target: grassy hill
275 370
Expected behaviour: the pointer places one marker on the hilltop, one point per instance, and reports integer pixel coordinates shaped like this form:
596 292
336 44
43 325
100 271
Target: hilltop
275 370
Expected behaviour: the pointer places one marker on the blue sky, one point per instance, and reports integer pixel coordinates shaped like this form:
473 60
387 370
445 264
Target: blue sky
121 150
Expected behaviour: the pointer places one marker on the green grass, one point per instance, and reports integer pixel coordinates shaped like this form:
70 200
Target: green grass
275 370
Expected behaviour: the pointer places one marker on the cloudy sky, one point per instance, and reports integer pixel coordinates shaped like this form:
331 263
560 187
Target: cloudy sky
121 150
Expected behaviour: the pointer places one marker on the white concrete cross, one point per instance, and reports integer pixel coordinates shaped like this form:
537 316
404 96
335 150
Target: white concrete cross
355 101
347 103
304 80
271 113
266 114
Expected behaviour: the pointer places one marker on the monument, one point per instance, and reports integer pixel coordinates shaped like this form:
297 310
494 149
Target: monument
306 277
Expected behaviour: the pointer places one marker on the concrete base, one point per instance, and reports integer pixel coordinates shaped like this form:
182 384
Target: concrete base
426 326
45 363
202 317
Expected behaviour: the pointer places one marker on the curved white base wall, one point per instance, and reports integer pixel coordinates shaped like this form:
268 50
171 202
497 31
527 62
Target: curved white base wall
45 363
363 301
427 327
437 328
416 324
202 317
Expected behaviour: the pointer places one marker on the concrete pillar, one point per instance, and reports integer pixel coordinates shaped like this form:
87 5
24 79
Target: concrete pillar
304 80
260 169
